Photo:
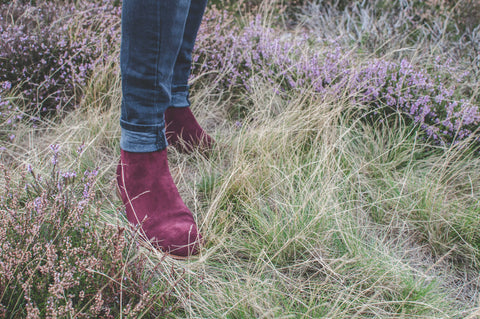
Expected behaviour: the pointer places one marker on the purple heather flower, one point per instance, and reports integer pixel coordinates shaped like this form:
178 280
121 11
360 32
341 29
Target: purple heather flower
7 85
80 149
55 148
68 175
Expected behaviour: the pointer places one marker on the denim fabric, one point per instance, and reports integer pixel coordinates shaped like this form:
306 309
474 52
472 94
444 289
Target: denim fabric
183 64
155 59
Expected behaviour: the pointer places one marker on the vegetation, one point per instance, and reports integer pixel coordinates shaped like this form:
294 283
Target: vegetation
345 181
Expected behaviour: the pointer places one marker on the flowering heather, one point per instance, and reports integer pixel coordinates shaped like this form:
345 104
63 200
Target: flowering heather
301 62
421 96
48 52
48 64
59 259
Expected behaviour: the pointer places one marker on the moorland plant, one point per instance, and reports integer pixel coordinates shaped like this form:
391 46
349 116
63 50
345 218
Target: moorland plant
345 182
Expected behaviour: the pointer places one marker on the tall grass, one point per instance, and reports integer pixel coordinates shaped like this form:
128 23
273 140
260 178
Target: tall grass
309 207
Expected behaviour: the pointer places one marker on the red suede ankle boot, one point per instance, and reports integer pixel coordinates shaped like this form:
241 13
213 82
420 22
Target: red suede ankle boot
183 131
152 200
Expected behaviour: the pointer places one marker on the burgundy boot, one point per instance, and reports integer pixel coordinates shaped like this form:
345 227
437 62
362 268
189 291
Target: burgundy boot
183 131
152 200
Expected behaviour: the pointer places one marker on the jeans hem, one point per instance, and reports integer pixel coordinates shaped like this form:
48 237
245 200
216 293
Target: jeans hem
180 99
142 141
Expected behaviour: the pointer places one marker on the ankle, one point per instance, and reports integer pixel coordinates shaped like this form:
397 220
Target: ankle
184 132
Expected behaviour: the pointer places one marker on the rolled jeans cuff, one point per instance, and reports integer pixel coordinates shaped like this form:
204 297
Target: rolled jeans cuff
142 138
180 96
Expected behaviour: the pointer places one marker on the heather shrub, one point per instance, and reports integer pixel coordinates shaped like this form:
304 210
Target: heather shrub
59 258
428 96
252 5
424 97
49 51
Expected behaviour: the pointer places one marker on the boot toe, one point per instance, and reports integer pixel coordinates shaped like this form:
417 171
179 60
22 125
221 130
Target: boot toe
180 239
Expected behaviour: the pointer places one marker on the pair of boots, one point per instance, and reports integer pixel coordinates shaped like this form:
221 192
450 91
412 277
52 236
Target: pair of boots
150 196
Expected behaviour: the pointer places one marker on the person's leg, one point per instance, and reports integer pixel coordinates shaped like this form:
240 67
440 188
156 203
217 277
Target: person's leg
152 33
183 63
183 130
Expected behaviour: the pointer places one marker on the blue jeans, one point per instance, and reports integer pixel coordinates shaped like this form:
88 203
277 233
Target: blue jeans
158 37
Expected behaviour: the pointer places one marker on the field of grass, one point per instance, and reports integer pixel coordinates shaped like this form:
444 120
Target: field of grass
345 182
